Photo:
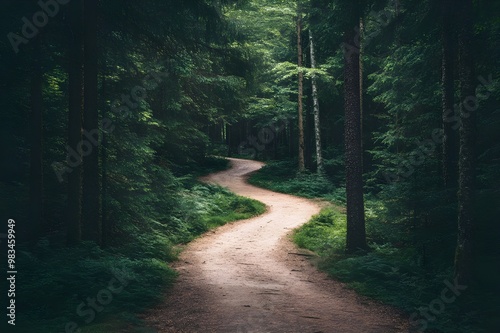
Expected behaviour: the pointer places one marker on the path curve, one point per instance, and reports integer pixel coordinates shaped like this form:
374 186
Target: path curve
243 277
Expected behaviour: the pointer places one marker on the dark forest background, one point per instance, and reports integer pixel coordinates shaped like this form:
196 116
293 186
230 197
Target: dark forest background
387 109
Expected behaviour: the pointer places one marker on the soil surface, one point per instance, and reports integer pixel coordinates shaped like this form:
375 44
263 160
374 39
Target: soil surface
248 277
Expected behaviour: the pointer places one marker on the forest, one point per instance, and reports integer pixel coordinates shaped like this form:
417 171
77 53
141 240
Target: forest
383 114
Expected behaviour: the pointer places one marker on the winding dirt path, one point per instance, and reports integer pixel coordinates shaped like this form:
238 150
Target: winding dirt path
247 277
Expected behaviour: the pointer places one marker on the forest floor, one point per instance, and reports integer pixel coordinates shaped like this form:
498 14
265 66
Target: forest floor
248 277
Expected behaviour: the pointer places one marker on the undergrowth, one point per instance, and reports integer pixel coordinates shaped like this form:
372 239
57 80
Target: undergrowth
282 177
408 266
58 284
387 273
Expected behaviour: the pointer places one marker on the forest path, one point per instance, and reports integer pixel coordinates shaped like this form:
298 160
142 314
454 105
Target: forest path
247 277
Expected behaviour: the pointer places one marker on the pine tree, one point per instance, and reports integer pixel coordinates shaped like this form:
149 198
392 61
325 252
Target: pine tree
75 72
467 158
91 228
36 141
450 143
356 234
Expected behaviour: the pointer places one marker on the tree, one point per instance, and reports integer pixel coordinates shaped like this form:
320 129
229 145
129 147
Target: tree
317 125
356 234
75 73
361 111
301 88
450 139
91 188
36 140
467 158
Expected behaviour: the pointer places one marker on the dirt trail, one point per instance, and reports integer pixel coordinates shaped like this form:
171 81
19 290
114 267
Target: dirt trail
243 277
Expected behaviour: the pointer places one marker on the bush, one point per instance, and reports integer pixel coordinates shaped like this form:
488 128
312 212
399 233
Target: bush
324 233
141 253
283 177
393 275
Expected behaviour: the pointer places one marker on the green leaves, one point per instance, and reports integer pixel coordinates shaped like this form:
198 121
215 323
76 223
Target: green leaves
284 71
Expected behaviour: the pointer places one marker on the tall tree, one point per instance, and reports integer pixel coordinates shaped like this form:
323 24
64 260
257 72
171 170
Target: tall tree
107 223
356 234
36 140
450 143
361 36
91 228
301 88
467 158
317 127
75 71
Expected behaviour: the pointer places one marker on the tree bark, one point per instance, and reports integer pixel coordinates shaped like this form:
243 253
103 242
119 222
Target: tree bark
36 140
356 234
75 120
317 124
301 88
91 188
361 34
107 223
450 143
467 162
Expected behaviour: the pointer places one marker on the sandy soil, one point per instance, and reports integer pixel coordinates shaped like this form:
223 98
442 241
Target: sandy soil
247 277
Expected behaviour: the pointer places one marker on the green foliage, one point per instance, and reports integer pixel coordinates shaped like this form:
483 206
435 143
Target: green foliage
84 270
145 247
282 177
388 273
230 63
203 207
324 233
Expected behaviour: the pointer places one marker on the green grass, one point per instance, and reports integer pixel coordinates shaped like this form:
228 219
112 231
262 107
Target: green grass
388 274
205 206
324 233
397 271
283 177
55 279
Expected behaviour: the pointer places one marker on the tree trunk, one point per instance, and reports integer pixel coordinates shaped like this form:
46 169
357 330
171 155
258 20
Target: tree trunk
36 140
356 235
91 188
107 223
301 88
466 182
317 127
361 34
450 143
309 141
75 121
